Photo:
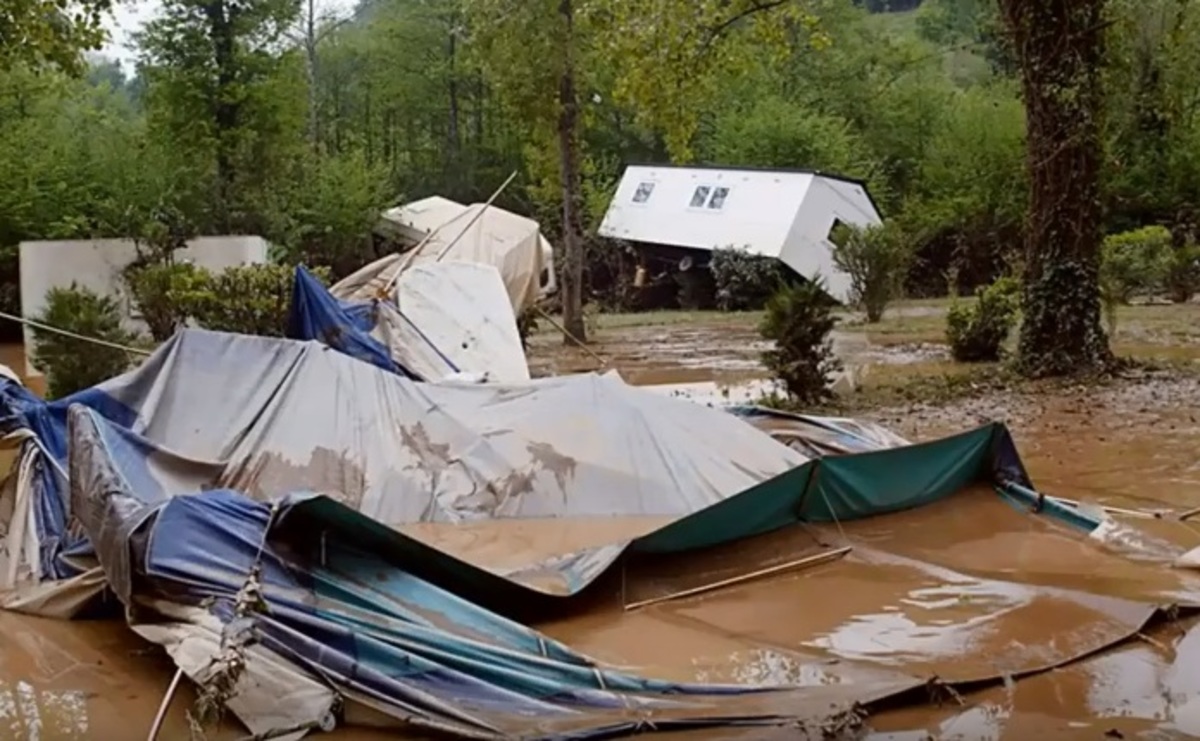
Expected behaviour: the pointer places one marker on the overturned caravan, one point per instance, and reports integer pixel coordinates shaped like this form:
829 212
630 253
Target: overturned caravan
569 559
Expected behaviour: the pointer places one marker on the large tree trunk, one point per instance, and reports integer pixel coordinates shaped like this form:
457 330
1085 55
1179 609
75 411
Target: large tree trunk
1059 46
568 151
226 107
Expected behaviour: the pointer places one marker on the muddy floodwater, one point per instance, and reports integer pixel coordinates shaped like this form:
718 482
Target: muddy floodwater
1133 444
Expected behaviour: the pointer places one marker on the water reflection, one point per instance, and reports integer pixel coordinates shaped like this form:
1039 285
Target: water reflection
766 667
31 714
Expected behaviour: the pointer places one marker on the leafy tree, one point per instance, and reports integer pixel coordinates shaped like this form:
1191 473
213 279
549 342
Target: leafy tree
50 32
1059 46
228 101
661 58
773 132
972 190
166 294
876 258
324 213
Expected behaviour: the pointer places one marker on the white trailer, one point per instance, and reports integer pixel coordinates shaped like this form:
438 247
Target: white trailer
788 215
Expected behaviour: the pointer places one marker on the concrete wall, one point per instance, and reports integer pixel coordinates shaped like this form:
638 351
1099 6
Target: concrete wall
97 265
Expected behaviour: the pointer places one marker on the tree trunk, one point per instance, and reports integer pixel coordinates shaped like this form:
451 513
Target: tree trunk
226 108
1059 47
568 151
310 70
453 138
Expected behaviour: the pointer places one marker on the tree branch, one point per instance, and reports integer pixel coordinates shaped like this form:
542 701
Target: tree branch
757 6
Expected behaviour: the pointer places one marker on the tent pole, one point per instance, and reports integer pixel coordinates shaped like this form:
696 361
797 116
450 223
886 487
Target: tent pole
808 561
166 703
477 216
412 255
554 323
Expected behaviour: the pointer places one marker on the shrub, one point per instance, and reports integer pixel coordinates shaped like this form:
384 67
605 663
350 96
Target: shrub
744 281
977 331
799 318
1183 273
1134 263
247 299
71 365
876 258
165 293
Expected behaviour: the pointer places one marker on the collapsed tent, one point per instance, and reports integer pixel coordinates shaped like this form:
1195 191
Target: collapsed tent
370 631
404 454
944 581
479 233
446 320
401 527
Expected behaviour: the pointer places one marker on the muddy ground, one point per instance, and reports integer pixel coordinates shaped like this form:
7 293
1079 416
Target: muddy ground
1133 441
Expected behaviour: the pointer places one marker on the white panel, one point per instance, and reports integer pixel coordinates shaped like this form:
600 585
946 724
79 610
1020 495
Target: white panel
808 250
757 212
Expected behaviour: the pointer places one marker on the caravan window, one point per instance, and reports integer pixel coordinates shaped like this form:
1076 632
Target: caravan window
838 232
700 196
642 194
718 198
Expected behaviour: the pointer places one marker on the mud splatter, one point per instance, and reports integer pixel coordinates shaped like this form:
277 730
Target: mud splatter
546 458
329 472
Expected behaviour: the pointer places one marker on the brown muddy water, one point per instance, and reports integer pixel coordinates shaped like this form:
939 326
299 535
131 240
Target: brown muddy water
940 595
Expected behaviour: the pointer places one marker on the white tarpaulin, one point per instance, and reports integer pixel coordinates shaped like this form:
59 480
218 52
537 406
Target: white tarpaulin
452 320
269 416
462 310
477 233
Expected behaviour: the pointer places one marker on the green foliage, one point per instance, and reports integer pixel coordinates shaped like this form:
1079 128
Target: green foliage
50 32
876 258
249 299
1183 273
976 331
798 321
773 132
1134 263
166 294
228 102
422 97
744 281
71 365
331 205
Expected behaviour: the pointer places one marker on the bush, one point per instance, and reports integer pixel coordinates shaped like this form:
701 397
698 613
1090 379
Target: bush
1183 273
977 331
71 365
744 281
247 299
165 294
1134 263
798 319
876 258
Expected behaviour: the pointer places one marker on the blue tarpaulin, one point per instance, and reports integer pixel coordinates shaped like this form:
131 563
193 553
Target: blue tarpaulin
345 326
374 631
